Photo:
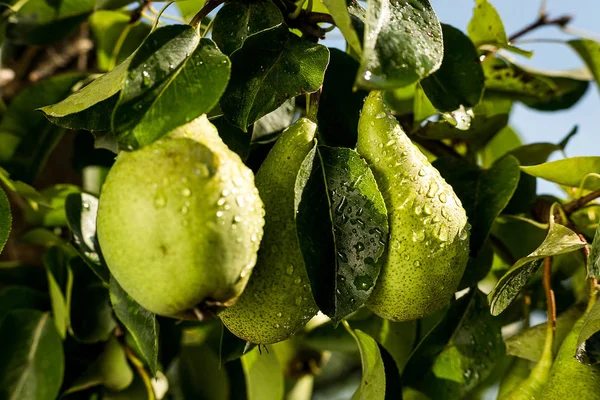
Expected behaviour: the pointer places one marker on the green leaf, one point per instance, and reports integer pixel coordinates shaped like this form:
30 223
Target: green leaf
373 383
274 122
232 347
589 51
60 284
593 265
451 367
486 26
189 8
339 105
91 314
5 219
110 369
264 77
40 22
342 228
402 44
173 78
568 171
26 138
559 240
53 215
529 344
82 210
237 140
542 90
422 107
483 193
483 128
503 142
109 28
264 375
460 80
342 19
236 21
90 107
140 323
112 4
14 297
588 342
31 360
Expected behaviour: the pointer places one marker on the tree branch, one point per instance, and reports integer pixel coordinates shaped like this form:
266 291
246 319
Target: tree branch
576 204
204 11
542 20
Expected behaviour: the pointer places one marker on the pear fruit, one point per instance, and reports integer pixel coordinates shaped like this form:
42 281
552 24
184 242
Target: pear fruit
180 222
568 377
428 245
278 300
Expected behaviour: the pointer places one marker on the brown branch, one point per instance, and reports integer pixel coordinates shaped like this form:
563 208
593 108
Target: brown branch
542 20
550 300
576 204
204 11
316 17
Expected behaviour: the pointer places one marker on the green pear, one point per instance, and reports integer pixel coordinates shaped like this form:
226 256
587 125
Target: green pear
278 301
180 222
570 379
428 245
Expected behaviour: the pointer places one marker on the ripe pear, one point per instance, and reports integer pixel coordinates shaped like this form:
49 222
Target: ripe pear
569 378
428 245
180 222
278 300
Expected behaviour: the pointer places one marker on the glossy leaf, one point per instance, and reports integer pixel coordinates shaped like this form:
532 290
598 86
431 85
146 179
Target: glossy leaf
342 228
140 323
264 376
373 384
567 171
236 21
264 77
503 142
26 138
5 219
402 44
529 344
593 266
460 80
588 342
60 284
341 16
589 51
90 107
483 193
559 240
173 78
339 105
32 359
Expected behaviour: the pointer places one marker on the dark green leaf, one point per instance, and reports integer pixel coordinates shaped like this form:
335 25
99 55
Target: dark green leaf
39 22
21 274
588 342
341 16
115 38
15 297
542 90
140 323
90 107
340 106
469 356
372 385
481 131
459 81
559 240
81 210
589 51
60 284
173 78
529 344
568 171
237 140
342 228
264 375
26 138
5 219
593 266
402 44
264 77
519 235
484 193
31 360
91 314
238 20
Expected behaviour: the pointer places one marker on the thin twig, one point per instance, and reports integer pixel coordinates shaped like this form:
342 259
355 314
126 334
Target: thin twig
578 203
204 11
542 20
550 300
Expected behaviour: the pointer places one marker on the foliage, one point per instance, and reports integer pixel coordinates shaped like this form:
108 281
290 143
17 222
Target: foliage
85 82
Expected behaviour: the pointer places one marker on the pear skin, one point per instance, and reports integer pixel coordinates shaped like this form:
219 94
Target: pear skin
428 246
278 300
180 222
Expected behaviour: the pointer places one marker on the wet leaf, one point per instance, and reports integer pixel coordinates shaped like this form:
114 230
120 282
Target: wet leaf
588 342
342 228
341 16
402 44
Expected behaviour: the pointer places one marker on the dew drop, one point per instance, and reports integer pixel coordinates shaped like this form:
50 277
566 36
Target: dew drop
219 214
186 192
279 314
221 201
289 269
417 263
298 280
418 236
443 198
380 115
160 200
276 325
422 172
427 209
145 79
406 257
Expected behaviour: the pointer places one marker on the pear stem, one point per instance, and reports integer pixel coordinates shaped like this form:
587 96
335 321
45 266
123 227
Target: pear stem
550 301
